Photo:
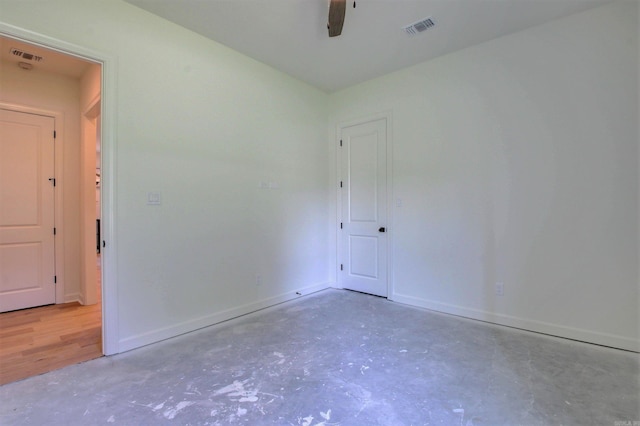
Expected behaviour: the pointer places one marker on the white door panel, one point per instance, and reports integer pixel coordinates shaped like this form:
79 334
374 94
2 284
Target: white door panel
362 177
363 256
364 207
27 267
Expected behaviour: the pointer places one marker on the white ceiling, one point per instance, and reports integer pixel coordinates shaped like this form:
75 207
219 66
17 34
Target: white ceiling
291 35
52 61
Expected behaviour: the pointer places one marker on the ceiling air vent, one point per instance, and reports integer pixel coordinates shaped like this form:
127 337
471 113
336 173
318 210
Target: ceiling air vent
420 26
25 55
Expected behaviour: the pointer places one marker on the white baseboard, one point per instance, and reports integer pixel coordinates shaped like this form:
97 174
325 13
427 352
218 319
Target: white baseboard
160 334
73 297
598 338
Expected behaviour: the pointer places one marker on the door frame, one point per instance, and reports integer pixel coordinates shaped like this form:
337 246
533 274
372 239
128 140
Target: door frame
388 116
110 335
58 211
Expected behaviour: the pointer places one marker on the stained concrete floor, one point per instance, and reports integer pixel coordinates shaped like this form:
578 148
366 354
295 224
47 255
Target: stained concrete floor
340 358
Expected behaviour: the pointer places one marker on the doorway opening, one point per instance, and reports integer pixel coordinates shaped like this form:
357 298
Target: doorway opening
41 82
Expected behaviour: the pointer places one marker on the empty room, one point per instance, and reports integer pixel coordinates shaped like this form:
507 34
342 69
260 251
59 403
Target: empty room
325 212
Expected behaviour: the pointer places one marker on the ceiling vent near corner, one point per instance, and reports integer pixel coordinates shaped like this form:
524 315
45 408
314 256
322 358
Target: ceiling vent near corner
420 26
25 55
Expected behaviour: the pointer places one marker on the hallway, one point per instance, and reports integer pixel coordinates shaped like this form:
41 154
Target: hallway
37 340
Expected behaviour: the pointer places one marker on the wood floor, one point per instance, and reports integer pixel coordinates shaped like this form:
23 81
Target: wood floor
37 340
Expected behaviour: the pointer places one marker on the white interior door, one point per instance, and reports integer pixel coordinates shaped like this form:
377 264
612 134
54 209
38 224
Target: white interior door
27 268
363 250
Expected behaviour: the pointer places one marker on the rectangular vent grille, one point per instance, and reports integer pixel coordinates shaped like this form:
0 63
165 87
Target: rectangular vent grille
25 55
420 26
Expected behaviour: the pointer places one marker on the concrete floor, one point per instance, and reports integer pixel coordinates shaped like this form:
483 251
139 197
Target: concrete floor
340 358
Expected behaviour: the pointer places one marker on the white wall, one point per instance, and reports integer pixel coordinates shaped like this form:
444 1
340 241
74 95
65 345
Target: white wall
517 162
202 125
56 93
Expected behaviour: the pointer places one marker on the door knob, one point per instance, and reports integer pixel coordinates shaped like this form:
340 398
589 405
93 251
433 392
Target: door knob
382 229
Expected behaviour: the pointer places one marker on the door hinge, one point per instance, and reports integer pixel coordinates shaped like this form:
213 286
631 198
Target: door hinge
54 231
340 142
55 279
341 267
340 225
54 134
340 184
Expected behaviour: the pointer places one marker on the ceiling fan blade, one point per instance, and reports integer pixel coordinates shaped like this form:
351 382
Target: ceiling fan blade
336 17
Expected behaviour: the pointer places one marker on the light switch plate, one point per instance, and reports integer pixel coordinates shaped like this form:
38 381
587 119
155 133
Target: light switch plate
154 198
